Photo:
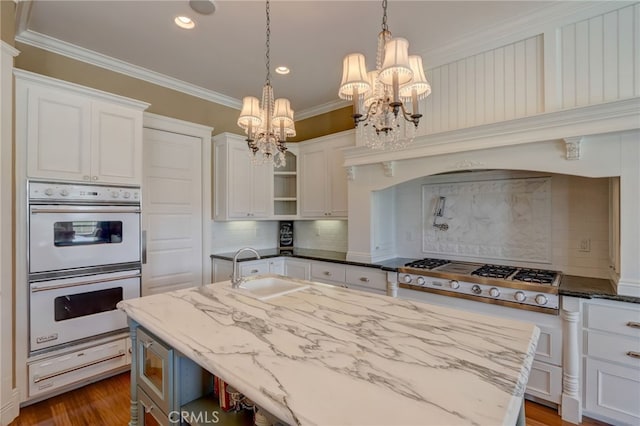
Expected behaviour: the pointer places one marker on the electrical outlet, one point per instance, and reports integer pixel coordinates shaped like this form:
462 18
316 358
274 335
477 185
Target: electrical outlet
585 245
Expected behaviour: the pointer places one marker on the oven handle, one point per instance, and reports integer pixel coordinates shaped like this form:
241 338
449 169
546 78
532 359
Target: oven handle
39 379
36 288
144 247
37 210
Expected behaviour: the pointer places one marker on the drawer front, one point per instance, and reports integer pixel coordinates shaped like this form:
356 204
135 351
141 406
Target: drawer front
613 391
155 367
367 277
149 414
545 382
367 289
322 271
53 373
621 318
254 268
615 348
297 269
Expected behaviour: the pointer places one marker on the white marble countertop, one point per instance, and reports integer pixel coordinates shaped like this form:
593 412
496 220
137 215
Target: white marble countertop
331 356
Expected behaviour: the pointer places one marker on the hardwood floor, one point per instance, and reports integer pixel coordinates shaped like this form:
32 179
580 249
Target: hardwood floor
106 403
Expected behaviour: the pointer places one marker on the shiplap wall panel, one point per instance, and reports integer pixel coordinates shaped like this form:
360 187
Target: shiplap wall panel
600 58
500 84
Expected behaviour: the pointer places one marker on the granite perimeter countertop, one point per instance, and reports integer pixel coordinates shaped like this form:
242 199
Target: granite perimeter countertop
571 285
327 355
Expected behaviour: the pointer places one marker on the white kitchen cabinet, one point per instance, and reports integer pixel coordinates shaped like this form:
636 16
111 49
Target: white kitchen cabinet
78 134
242 190
611 349
285 187
361 278
323 178
222 269
297 268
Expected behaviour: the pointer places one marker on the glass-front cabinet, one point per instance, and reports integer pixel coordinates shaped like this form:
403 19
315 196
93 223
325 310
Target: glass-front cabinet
285 188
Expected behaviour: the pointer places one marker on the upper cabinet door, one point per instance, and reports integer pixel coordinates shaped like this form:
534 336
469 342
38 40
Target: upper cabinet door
58 134
313 184
75 133
338 179
116 148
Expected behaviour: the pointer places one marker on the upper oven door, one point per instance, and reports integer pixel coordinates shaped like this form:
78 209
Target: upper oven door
63 237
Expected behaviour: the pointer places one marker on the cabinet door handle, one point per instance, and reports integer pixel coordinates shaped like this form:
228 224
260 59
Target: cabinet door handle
86 177
327 273
254 271
633 324
364 279
148 344
147 409
633 354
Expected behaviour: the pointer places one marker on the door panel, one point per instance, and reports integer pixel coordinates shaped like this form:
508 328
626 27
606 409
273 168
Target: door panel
172 211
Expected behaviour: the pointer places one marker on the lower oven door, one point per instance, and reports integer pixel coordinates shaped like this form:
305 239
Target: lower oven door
63 237
69 309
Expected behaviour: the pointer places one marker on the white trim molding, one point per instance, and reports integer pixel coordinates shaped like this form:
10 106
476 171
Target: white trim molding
78 53
573 147
387 168
571 405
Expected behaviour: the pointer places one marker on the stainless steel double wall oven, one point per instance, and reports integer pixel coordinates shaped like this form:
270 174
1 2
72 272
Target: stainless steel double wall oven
84 257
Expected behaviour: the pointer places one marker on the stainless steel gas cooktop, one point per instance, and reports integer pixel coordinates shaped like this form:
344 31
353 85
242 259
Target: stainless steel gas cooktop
526 288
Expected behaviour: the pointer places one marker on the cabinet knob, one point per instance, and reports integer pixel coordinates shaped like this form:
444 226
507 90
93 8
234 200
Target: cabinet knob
95 177
254 271
327 273
364 279
86 177
633 354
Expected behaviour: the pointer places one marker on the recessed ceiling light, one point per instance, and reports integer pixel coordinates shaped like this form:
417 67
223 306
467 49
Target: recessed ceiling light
184 22
283 70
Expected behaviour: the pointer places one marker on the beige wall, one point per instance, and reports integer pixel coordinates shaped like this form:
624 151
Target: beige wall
163 101
7 21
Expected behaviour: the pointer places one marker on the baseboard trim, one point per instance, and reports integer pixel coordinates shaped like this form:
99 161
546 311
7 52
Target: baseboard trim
10 408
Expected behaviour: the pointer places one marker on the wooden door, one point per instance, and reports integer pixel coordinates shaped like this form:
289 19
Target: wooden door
172 211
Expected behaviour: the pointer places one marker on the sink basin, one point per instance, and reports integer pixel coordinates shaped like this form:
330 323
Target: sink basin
263 288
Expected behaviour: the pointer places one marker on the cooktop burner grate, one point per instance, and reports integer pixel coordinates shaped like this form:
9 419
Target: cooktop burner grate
538 276
427 263
494 271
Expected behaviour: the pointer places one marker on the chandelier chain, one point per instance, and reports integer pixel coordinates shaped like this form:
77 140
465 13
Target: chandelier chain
268 59
385 27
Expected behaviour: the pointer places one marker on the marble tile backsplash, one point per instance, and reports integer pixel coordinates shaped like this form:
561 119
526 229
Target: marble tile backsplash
321 234
507 219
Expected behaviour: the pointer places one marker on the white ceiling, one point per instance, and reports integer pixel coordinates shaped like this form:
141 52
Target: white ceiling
225 53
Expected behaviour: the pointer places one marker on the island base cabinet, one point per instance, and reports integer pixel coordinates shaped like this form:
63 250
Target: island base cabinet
613 392
149 414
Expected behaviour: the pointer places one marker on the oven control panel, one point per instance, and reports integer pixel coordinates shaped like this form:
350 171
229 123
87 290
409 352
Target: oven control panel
525 297
67 192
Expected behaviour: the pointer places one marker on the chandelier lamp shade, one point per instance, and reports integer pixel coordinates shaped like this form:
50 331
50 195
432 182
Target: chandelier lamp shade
397 80
267 122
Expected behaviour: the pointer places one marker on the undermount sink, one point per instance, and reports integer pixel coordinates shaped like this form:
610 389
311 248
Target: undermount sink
268 287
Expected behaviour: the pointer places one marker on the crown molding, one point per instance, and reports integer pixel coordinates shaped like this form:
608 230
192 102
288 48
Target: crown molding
322 109
8 49
73 51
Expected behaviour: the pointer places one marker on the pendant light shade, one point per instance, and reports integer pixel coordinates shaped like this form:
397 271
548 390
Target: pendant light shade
354 77
250 113
396 61
419 82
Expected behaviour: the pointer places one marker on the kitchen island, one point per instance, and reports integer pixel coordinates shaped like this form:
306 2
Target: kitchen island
331 356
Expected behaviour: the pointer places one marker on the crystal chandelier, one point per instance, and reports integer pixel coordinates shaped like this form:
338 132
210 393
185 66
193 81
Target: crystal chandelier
267 123
397 79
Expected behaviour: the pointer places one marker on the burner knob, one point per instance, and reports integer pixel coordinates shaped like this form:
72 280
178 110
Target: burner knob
420 281
48 192
520 296
115 194
454 284
541 299
476 289
494 292
127 195
64 192
406 279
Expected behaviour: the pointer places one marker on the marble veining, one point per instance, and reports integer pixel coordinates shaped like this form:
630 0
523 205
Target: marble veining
332 356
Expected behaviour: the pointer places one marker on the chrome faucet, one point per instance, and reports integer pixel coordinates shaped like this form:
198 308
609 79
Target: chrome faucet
236 279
